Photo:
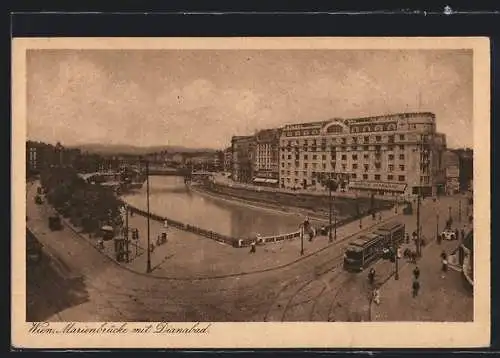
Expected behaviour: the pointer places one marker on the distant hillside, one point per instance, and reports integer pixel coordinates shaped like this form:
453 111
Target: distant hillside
133 150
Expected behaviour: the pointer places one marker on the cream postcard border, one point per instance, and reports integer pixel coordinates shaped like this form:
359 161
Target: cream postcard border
268 335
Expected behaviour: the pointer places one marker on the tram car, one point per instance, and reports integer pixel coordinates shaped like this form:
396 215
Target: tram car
367 249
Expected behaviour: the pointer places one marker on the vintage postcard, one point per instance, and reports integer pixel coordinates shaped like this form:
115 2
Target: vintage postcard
251 192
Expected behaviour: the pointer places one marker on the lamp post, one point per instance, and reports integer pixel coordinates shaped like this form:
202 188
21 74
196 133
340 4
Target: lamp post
437 225
126 231
302 239
396 274
330 239
449 213
460 210
148 267
335 226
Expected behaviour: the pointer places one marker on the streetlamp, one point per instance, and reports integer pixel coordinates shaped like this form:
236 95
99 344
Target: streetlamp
460 210
330 239
302 239
449 213
396 274
335 227
358 209
148 264
437 226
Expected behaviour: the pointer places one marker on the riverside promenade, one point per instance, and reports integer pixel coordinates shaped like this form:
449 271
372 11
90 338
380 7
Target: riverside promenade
193 255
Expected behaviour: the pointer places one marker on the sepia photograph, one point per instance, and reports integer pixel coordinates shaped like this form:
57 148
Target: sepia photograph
248 183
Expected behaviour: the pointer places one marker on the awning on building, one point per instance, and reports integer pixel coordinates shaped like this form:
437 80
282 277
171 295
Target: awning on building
271 181
259 180
382 186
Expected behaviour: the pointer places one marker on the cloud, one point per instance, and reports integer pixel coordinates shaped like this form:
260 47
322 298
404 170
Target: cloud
191 99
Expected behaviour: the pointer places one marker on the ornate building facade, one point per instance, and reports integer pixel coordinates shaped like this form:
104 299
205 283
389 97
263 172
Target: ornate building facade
396 154
243 156
267 157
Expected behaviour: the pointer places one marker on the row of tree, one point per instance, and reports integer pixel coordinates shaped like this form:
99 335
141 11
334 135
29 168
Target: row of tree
88 206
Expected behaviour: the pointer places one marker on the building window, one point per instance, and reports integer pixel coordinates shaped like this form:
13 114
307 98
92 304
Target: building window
344 166
401 137
324 166
353 175
354 139
402 156
378 138
402 147
323 157
344 157
296 173
391 167
391 147
390 177
289 156
354 147
282 156
305 156
305 165
314 165
365 176
282 165
315 157
366 167
377 176
391 156
366 148
344 140
354 166
366 139
391 139
366 156
402 167
401 178
333 165
354 157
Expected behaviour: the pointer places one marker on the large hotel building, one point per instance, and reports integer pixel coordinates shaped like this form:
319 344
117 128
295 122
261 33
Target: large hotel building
387 155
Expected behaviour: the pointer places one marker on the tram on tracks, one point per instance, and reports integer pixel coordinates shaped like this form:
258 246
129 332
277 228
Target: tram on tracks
367 249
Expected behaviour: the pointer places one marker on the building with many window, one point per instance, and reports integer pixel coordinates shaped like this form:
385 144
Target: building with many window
243 155
451 164
267 157
228 159
396 154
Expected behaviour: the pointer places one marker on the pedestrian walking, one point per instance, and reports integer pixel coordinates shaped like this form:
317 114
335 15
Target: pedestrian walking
415 288
371 276
252 248
444 266
462 234
416 273
407 238
376 296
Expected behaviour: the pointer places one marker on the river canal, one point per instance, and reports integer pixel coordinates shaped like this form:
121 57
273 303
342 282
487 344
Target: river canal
170 197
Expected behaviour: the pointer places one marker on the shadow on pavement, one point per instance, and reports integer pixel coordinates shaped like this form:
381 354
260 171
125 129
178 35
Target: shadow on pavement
48 292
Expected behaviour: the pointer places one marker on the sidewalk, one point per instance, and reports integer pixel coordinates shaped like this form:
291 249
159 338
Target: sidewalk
189 255
441 297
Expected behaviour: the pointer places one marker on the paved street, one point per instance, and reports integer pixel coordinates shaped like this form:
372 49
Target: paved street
314 288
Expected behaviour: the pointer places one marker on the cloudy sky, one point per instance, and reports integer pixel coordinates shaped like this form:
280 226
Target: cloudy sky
202 98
